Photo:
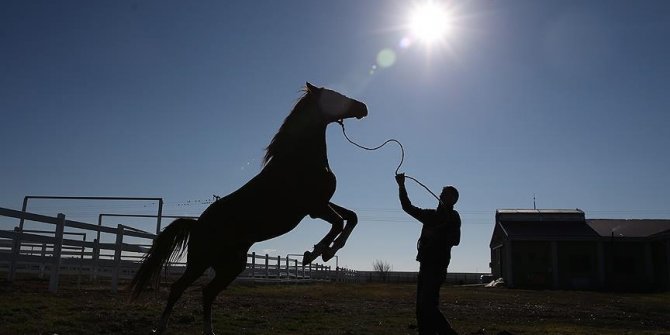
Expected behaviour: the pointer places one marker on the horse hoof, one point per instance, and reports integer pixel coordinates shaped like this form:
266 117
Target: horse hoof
308 257
327 255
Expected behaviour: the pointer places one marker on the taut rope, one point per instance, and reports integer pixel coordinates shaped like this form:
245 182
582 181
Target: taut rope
402 156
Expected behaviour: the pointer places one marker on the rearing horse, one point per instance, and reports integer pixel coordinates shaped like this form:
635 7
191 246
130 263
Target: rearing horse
295 181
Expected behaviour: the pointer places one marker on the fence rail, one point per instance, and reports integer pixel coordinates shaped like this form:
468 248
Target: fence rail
54 252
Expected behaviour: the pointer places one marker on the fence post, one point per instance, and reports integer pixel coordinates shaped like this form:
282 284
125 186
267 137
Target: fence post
118 247
58 248
16 251
279 267
94 259
43 255
288 269
81 262
267 266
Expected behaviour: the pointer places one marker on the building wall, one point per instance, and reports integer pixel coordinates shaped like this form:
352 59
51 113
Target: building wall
496 264
627 267
577 265
581 262
531 264
660 252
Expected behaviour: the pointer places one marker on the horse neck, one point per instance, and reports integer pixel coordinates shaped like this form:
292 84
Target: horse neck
310 149
306 149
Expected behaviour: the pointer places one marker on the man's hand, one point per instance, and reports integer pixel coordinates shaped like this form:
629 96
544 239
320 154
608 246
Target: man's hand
400 179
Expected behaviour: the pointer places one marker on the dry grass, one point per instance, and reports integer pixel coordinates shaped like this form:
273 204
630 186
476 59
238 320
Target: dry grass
26 308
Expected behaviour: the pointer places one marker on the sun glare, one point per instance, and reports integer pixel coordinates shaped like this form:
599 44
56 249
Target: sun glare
429 21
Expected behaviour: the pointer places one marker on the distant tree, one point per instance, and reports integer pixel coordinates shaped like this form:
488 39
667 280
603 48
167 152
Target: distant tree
382 268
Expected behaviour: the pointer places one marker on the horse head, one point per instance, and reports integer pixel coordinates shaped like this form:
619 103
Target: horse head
312 113
333 106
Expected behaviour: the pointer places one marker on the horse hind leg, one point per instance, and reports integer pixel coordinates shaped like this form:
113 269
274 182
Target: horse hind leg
227 269
191 273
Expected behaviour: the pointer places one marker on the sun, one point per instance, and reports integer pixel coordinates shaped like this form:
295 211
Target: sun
429 21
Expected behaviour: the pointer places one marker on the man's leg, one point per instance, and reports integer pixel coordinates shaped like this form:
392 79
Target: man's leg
427 300
421 310
429 318
422 319
441 323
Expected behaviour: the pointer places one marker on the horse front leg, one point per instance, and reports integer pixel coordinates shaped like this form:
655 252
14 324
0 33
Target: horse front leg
330 215
351 220
338 234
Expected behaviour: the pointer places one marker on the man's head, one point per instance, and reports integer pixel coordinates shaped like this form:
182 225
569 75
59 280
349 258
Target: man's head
449 196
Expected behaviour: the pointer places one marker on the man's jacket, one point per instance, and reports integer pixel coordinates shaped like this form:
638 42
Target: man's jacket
441 231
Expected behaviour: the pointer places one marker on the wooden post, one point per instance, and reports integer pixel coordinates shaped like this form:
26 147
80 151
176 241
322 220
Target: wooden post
267 266
278 266
16 252
58 248
81 262
94 258
288 269
16 245
159 216
295 263
118 247
43 264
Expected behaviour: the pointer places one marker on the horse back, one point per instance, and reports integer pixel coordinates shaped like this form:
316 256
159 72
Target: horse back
270 204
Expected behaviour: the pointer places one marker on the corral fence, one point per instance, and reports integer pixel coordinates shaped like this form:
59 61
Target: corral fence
62 248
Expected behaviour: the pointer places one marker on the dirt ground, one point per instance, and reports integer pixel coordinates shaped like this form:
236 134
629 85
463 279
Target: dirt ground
329 308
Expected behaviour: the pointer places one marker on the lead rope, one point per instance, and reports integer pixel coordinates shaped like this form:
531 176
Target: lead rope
402 156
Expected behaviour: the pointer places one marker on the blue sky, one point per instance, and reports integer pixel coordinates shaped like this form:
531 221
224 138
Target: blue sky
564 100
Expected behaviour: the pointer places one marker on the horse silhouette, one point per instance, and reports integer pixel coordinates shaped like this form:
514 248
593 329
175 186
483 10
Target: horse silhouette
295 181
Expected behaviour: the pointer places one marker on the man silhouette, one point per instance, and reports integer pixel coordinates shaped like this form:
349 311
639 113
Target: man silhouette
441 230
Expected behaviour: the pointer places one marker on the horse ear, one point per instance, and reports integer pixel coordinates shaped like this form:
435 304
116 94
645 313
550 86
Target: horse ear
311 88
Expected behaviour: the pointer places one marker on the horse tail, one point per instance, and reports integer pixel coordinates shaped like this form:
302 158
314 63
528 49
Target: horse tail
168 246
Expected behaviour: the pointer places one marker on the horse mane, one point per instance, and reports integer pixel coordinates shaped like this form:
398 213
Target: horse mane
281 139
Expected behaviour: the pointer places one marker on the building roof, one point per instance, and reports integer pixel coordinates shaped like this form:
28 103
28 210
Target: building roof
570 224
535 215
629 228
535 211
543 224
562 229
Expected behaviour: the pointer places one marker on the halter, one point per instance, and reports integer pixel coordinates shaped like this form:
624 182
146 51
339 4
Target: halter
402 157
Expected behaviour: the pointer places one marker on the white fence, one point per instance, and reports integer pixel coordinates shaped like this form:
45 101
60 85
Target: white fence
55 252
265 266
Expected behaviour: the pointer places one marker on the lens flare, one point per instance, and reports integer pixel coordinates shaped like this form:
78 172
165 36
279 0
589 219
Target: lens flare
386 58
405 43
